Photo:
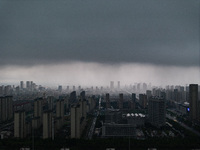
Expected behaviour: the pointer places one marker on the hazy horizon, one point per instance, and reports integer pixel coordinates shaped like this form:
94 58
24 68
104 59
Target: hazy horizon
95 74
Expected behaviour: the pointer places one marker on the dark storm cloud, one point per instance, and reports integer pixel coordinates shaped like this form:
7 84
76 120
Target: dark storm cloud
141 31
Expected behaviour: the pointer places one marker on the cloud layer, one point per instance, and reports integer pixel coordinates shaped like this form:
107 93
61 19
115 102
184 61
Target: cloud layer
60 31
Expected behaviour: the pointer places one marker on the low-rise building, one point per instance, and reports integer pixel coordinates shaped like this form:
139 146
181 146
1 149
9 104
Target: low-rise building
136 119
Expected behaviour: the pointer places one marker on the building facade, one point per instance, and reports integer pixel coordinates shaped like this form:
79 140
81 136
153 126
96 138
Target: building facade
47 124
193 99
19 124
157 111
75 121
6 108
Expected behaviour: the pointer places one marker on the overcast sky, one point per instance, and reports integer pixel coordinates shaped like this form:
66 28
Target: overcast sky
135 36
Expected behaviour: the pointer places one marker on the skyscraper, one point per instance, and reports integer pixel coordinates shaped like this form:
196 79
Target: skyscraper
133 101
79 88
83 109
19 124
6 108
68 88
21 84
138 87
144 87
176 95
28 85
148 93
143 100
60 88
9 108
75 121
133 97
107 101
31 85
37 120
72 97
156 110
1 90
193 99
82 95
47 124
120 103
111 85
92 103
118 85
50 103
38 107
60 108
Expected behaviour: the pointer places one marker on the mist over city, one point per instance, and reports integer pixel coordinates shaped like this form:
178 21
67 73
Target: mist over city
103 74
97 74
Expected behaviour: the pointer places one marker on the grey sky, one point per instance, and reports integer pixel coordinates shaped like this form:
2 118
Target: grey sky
162 32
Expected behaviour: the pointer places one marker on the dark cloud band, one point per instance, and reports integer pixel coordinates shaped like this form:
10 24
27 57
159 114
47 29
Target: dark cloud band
148 31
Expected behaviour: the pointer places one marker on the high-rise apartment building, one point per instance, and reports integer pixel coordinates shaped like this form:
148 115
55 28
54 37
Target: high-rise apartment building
1 90
148 93
60 88
143 100
68 88
7 90
118 85
107 100
19 124
156 110
176 95
66 103
92 103
21 84
60 108
50 102
47 124
38 107
120 102
37 120
31 85
9 107
111 85
6 108
75 122
72 97
138 87
28 85
83 108
79 88
193 100
144 88
133 97
133 101
82 94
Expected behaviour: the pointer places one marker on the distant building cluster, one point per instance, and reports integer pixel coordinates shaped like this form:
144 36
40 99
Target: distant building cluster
31 110
49 115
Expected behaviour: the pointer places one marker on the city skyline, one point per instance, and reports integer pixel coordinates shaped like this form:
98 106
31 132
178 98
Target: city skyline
162 117
92 43
99 74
